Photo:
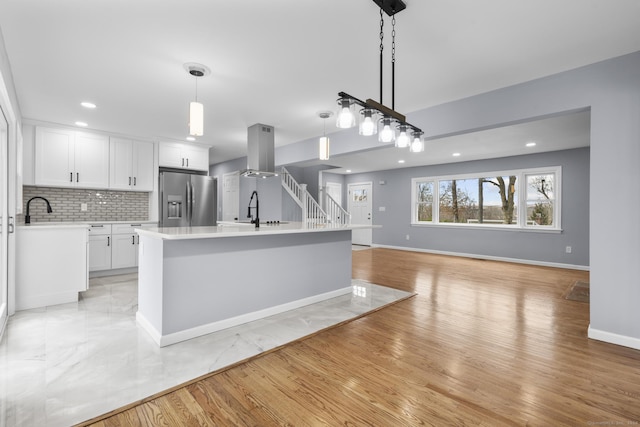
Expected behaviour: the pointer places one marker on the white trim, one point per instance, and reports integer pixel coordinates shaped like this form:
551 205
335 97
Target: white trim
612 338
187 334
488 257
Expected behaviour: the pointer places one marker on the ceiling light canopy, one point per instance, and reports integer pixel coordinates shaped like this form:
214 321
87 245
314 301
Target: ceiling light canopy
375 117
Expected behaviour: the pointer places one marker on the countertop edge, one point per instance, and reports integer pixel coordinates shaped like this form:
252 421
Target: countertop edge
219 232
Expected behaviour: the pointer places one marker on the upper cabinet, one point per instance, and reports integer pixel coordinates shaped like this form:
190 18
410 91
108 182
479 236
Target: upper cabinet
67 158
184 156
131 165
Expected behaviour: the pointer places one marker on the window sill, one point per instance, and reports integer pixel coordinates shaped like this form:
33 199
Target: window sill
491 227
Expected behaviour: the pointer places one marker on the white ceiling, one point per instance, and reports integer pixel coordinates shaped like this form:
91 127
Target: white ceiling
279 62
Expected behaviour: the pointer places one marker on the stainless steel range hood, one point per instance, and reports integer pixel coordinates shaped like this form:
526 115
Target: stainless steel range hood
260 151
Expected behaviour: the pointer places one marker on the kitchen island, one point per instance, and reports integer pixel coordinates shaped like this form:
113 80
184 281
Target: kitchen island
196 280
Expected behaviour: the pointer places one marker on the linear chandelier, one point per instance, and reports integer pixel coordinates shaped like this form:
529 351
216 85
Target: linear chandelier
374 117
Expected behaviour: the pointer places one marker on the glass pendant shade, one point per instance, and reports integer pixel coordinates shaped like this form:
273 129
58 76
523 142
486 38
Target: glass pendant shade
417 145
402 141
368 125
196 119
386 133
323 146
346 117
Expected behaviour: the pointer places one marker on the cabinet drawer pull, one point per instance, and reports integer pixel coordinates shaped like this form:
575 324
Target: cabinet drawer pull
97 226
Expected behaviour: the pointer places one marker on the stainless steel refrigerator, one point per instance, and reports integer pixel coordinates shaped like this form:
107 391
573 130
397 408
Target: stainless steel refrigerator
187 200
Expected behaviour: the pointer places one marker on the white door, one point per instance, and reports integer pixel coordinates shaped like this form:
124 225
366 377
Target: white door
361 206
231 196
4 228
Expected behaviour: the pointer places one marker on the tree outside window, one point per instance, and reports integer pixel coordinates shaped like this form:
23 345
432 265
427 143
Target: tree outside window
540 199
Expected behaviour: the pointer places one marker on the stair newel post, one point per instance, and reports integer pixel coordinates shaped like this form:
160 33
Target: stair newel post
305 203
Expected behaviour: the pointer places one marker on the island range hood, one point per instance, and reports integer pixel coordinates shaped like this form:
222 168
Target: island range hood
260 151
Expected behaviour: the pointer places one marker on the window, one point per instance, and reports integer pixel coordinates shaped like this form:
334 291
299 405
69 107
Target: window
512 199
424 205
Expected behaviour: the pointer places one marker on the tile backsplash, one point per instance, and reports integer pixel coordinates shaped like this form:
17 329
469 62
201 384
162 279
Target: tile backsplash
102 205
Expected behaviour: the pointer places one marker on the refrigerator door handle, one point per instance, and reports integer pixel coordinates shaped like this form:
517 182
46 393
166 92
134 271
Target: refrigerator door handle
189 201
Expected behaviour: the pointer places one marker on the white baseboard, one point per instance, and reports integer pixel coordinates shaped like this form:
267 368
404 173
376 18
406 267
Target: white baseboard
612 338
487 257
187 334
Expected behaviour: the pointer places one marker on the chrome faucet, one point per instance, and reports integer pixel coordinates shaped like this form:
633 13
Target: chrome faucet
255 221
27 217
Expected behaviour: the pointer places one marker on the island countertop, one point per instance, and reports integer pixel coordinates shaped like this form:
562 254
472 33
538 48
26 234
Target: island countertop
230 229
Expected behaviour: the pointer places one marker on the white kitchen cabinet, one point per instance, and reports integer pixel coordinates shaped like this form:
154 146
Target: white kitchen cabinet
131 165
100 247
66 158
184 156
113 246
125 248
51 264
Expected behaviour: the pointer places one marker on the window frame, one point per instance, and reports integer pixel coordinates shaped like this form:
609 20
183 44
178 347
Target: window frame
520 225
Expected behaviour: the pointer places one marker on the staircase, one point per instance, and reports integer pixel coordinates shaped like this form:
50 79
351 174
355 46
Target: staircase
312 213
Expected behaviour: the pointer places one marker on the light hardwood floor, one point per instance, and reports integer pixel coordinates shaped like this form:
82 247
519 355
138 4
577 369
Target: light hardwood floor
483 343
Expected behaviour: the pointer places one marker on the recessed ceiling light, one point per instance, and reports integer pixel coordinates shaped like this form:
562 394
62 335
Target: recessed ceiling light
82 124
90 105
456 154
400 161
348 170
531 144
190 138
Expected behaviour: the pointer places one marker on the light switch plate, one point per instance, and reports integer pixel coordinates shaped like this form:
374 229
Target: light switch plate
83 207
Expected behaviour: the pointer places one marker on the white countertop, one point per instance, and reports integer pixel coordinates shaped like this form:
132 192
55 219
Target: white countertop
237 230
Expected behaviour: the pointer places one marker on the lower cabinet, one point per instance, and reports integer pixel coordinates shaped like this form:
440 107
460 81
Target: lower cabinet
125 245
113 246
100 247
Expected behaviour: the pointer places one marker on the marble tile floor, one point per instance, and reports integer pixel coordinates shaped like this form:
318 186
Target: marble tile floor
65 364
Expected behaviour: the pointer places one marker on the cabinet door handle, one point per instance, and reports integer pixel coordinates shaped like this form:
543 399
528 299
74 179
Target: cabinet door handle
77 176
70 176
11 226
133 239
134 181
129 180
183 161
187 162
108 240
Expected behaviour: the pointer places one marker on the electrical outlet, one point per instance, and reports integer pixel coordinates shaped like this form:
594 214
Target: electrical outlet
382 208
568 249
408 237
83 207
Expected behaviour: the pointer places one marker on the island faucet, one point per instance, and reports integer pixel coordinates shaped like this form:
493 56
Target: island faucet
255 221
27 217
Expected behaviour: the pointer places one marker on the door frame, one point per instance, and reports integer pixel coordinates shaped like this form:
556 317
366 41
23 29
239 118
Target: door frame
13 195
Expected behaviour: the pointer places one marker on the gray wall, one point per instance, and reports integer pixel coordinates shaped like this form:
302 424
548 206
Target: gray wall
542 247
611 89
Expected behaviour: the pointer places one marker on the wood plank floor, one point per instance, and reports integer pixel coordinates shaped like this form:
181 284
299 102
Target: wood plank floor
483 343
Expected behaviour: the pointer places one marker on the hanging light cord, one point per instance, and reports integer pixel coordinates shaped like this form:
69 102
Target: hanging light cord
381 49
196 88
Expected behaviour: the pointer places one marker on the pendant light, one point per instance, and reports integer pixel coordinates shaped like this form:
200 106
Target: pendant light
374 116
323 143
196 109
417 145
